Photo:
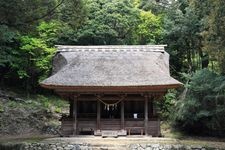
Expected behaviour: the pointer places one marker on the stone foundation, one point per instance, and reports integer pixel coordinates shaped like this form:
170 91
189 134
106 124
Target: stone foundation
69 146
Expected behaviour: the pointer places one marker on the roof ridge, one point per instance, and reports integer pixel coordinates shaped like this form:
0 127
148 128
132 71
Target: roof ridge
112 48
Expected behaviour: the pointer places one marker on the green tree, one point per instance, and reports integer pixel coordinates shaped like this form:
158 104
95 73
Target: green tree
28 31
35 64
149 29
73 13
213 33
23 14
182 34
156 6
202 110
211 17
108 22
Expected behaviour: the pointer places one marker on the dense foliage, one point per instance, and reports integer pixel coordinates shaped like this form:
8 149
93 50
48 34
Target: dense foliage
28 32
27 43
203 108
193 30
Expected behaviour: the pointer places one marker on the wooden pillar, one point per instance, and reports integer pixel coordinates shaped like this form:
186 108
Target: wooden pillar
122 114
75 115
98 114
71 108
146 115
151 108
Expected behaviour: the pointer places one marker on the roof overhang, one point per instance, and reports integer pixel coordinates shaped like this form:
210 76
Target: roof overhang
154 88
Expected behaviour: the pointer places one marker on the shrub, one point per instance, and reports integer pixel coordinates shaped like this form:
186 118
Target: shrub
203 108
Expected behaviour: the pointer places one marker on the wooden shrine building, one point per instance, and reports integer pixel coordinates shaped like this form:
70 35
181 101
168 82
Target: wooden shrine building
111 89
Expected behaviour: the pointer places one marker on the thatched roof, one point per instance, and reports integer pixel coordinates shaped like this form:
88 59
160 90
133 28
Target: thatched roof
110 66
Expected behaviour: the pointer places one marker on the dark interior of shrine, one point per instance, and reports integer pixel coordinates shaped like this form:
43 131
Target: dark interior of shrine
88 109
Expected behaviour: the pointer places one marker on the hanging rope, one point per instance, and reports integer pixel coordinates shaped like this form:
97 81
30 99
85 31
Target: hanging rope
108 105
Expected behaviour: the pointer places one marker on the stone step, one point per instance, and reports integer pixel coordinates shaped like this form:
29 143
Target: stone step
108 147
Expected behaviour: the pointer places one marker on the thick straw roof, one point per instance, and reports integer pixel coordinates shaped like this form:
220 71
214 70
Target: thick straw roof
110 66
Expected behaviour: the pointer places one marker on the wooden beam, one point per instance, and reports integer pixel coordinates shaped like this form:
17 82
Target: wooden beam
66 93
146 115
98 114
75 115
122 114
112 97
